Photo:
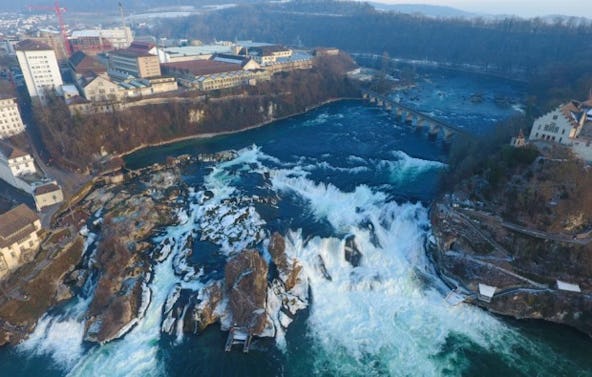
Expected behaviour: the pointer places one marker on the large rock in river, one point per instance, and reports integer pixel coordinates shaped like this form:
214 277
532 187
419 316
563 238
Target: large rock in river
245 278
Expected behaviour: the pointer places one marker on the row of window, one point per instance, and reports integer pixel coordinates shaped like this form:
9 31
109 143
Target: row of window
548 137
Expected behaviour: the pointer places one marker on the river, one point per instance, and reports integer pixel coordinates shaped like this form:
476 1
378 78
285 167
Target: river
345 168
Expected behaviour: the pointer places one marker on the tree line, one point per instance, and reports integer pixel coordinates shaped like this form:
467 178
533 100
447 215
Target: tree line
510 45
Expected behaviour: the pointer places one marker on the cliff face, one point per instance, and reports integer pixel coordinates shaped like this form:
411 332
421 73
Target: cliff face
76 141
525 235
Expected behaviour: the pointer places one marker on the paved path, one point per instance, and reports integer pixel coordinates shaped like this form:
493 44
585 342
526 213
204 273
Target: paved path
558 237
496 267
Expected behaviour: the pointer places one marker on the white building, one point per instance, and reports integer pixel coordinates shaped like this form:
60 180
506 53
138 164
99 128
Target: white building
187 53
47 195
554 126
101 88
117 37
570 125
10 118
19 238
39 66
17 168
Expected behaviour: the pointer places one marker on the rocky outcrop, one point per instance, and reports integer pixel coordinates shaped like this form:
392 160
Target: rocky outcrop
208 310
351 252
471 247
117 297
245 283
247 298
565 308
130 217
35 287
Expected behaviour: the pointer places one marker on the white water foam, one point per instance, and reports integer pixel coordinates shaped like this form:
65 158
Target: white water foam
375 319
60 336
405 168
136 353
379 318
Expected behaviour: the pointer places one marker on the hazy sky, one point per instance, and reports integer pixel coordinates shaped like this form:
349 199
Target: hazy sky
524 8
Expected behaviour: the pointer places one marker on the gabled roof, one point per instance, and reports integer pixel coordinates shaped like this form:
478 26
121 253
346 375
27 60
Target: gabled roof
15 221
31 45
11 152
46 189
84 64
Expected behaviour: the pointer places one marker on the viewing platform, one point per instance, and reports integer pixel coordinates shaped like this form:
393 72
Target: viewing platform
239 335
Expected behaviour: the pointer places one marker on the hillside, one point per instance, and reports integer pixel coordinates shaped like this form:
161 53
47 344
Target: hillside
521 225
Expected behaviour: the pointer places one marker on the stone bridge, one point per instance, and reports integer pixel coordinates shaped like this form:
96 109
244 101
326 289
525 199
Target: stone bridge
413 117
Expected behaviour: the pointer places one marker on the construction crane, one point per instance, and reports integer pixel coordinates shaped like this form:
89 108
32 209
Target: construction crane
59 11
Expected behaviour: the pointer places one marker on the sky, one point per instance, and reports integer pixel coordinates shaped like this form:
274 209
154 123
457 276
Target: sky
523 8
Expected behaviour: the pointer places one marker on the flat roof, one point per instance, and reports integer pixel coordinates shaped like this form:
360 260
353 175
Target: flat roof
197 50
487 290
568 287
203 67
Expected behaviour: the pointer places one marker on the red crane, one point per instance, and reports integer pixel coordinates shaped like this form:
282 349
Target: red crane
59 11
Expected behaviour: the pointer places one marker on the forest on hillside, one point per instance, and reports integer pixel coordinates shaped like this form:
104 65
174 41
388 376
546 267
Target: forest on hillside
510 45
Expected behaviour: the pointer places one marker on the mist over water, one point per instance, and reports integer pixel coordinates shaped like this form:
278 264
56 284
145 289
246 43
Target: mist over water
346 169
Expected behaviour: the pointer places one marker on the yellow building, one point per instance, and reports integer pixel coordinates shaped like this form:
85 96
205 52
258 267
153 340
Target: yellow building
134 62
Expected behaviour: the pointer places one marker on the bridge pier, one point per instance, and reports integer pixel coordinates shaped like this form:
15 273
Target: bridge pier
409 118
433 131
448 133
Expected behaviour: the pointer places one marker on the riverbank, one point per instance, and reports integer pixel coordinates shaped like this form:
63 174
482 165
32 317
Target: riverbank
520 246
78 142
223 133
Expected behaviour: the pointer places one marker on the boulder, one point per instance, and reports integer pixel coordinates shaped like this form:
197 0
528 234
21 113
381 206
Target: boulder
351 252
206 312
245 278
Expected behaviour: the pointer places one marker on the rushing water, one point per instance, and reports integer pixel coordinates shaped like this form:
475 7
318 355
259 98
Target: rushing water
346 168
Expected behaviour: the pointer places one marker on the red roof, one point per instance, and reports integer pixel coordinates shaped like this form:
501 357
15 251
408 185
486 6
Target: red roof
11 152
31 45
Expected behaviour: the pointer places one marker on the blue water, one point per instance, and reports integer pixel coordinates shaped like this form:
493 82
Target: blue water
345 168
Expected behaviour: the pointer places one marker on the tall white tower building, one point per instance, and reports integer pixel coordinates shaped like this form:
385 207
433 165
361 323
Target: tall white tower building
40 67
